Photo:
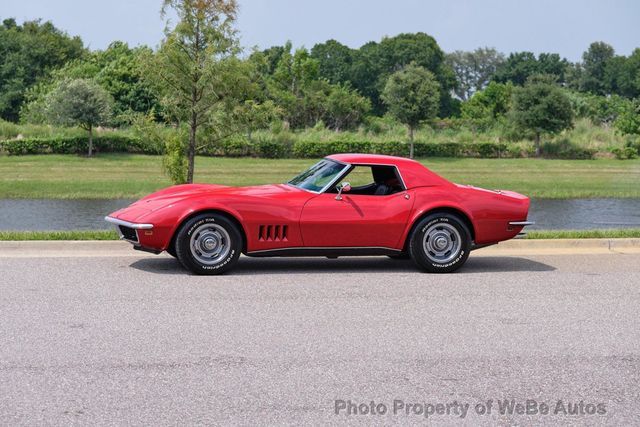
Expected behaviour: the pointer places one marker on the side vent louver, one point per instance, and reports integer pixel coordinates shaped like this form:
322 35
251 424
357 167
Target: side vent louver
273 233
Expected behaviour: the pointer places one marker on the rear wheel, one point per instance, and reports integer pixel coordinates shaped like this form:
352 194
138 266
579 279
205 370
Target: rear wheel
440 243
208 244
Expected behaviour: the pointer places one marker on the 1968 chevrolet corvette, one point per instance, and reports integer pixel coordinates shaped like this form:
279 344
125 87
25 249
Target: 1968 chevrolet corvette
344 205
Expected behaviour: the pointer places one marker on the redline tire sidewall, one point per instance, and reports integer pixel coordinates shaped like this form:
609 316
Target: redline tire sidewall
416 247
183 249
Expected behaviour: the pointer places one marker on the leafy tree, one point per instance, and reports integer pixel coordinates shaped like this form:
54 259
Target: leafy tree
541 107
622 75
269 58
195 70
374 62
28 53
366 74
519 66
306 98
117 69
628 121
294 80
345 108
473 70
334 61
252 115
594 63
488 106
120 73
412 95
80 102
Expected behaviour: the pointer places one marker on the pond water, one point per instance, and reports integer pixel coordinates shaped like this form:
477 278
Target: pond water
549 214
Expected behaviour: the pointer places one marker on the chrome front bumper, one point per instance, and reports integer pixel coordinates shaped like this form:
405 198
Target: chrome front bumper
133 225
520 224
125 234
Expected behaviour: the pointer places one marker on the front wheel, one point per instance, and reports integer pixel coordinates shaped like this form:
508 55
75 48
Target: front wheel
440 243
208 244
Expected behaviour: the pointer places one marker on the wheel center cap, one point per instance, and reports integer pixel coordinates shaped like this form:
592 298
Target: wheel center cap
209 243
441 242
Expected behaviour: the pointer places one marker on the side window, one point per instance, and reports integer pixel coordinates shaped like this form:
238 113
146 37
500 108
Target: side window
360 176
373 180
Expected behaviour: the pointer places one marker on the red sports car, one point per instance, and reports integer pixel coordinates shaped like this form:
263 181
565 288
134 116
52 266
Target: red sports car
344 205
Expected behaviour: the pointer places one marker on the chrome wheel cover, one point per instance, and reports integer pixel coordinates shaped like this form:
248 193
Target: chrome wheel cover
442 242
210 243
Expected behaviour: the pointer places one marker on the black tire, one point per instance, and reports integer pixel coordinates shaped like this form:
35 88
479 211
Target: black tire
440 243
171 250
208 244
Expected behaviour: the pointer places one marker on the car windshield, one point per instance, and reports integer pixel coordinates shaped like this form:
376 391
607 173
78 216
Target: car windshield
318 176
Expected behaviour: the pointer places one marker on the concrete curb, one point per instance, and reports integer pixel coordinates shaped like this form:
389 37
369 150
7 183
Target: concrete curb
52 249
562 246
67 248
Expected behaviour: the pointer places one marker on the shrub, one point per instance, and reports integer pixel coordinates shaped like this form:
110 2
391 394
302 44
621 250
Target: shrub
565 149
76 145
490 149
314 146
235 146
631 150
270 148
312 149
443 149
625 153
391 148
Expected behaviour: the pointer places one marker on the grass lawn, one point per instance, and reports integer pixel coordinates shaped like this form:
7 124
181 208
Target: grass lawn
130 176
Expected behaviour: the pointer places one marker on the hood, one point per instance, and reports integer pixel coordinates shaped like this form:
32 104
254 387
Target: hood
194 190
177 193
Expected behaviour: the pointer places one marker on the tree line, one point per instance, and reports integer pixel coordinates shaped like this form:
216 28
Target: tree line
201 83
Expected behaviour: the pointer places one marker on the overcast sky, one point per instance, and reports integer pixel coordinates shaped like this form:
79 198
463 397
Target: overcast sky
562 26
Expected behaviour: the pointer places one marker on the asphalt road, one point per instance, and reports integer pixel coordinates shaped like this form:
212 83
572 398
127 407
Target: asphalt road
136 341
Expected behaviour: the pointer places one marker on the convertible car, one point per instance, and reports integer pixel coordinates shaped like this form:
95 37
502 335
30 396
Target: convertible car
344 205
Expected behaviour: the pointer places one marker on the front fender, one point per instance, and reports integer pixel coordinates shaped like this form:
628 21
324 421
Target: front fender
167 220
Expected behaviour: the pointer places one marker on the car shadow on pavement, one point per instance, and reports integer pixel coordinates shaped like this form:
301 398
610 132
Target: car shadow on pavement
249 266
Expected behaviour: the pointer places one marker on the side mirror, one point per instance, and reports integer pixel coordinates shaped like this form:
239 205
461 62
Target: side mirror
345 187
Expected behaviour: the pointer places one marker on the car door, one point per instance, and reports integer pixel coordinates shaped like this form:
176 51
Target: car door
355 220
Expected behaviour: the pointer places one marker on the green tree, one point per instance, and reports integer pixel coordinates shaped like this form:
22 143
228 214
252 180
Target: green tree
594 64
195 70
251 115
345 108
306 98
488 106
334 61
412 95
117 69
541 107
295 87
622 75
519 66
28 53
374 62
473 70
628 121
80 102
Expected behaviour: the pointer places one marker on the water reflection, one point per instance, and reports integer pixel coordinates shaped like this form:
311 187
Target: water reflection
549 214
